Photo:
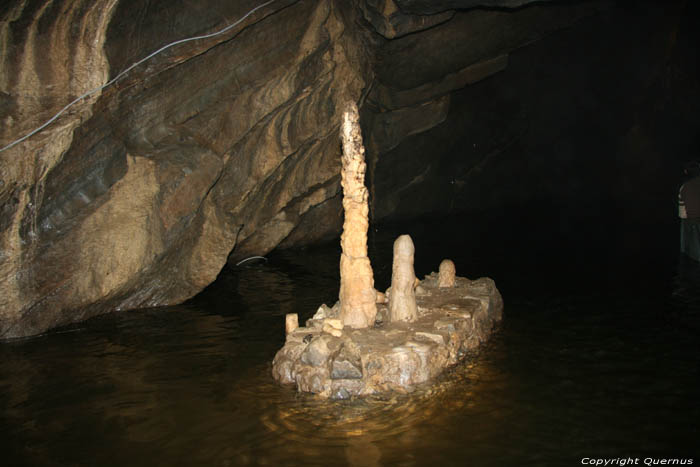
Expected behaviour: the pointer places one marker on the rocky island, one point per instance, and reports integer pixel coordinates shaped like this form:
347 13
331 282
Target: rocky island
371 342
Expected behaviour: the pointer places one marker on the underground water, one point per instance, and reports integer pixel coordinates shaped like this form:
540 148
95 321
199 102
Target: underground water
596 358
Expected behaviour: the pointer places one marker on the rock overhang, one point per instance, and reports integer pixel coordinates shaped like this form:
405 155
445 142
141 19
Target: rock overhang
237 136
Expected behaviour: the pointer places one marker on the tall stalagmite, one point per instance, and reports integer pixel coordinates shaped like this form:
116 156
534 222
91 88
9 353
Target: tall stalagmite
358 307
402 300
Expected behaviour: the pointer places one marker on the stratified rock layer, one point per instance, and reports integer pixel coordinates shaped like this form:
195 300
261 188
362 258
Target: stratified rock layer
214 150
224 148
391 356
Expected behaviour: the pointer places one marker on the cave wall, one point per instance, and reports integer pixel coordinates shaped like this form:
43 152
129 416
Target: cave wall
227 147
137 195
597 113
422 134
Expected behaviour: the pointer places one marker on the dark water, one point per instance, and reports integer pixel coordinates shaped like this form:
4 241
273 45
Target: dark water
597 357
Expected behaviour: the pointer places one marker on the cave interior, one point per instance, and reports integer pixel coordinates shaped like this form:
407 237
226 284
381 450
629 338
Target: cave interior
226 147
150 148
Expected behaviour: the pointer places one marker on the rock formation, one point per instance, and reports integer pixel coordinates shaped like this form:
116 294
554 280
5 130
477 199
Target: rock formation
291 322
219 148
329 358
402 300
416 88
358 298
447 272
226 147
451 322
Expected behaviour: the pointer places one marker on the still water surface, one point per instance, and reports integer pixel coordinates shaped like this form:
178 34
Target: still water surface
597 357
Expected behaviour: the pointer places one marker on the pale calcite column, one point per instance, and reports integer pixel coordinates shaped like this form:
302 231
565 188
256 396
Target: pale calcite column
358 298
402 299
291 322
447 273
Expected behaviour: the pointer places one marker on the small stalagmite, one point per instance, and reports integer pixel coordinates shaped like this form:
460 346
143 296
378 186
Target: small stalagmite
402 300
358 308
291 322
446 274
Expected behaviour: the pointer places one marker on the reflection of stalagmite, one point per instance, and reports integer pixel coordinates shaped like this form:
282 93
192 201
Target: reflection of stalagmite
402 300
358 307
446 274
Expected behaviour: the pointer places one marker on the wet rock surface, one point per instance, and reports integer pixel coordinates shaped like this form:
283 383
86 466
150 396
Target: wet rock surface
395 356
212 151
225 148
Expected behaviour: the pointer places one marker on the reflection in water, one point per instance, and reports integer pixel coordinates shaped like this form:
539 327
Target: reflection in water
597 356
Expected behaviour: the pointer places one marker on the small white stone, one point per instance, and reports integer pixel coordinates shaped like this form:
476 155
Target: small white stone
437 338
335 323
322 312
332 331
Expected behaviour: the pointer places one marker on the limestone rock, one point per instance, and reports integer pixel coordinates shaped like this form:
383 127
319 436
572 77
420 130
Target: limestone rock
358 299
334 323
402 300
429 7
437 338
347 364
392 99
218 149
291 322
447 272
391 22
445 325
221 148
389 129
319 349
409 102
322 312
396 356
314 380
333 331
284 362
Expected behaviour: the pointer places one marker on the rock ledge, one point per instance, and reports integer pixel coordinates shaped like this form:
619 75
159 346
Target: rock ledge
339 362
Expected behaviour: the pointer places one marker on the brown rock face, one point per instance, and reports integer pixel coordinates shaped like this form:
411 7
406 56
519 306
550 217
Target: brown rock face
415 89
138 195
434 6
358 299
402 300
220 148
